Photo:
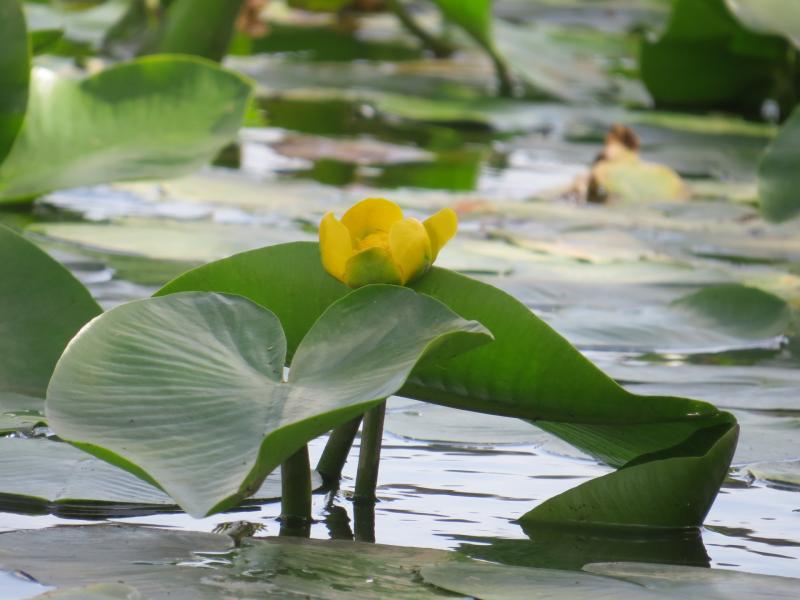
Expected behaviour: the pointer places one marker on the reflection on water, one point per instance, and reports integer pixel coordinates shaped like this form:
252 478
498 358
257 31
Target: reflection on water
561 548
461 497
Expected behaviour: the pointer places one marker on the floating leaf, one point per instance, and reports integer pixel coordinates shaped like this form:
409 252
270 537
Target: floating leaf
99 591
620 581
204 372
688 582
132 121
80 556
716 317
174 565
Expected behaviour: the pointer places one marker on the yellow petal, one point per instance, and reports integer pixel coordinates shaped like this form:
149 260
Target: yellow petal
410 248
335 246
373 265
371 215
441 227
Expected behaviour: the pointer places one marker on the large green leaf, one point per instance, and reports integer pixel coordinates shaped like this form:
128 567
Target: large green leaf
646 491
522 374
187 390
705 58
42 306
137 120
14 73
528 372
779 176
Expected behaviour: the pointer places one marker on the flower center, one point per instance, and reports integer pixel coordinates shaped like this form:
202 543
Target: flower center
376 239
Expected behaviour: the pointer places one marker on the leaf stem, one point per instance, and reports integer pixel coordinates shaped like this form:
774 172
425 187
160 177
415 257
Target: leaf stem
364 521
337 449
440 48
296 493
369 456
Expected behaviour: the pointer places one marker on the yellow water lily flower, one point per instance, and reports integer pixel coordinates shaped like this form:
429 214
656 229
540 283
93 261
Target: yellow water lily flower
374 243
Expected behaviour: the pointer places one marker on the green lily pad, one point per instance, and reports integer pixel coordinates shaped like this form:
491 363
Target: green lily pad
428 422
186 242
714 584
486 581
131 121
724 316
782 473
175 565
205 371
99 591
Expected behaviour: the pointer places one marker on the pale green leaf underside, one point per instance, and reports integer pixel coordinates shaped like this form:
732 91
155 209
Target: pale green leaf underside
186 390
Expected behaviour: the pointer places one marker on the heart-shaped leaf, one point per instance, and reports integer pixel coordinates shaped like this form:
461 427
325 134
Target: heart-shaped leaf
136 120
186 390
528 372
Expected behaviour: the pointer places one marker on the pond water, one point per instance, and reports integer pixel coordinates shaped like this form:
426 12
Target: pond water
328 133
